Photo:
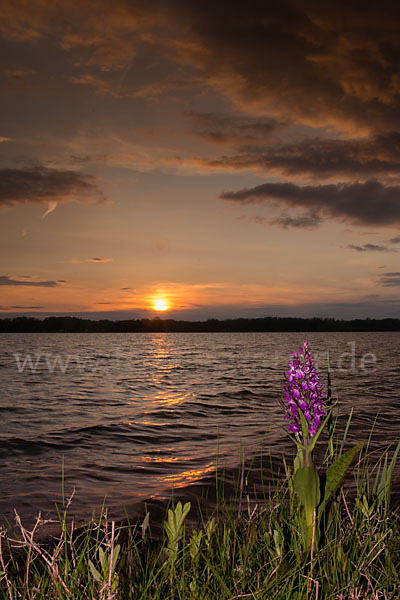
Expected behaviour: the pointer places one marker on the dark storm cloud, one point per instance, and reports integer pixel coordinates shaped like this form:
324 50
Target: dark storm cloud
390 279
318 158
395 240
318 62
6 280
370 248
369 203
41 185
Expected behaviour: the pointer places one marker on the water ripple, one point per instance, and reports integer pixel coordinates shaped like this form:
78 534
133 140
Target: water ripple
133 414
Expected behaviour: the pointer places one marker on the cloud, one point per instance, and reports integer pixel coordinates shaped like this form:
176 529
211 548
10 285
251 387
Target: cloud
52 206
28 307
306 221
390 279
272 58
6 280
370 248
395 240
158 88
318 158
101 85
369 203
100 38
79 261
104 52
298 58
41 185
20 74
4 139
18 25
99 260
234 129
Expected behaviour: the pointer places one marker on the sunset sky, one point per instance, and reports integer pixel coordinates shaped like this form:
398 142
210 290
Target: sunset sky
223 159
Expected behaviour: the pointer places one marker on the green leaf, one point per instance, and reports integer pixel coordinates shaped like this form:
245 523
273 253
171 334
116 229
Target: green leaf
306 486
174 528
335 474
364 506
304 424
195 543
114 583
103 561
96 575
176 517
386 478
186 510
145 525
117 548
180 514
298 461
279 540
171 525
210 528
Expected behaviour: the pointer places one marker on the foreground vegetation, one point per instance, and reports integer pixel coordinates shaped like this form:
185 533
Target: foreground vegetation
244 550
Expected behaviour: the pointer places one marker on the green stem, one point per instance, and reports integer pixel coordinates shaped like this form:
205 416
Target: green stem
306 484
307 456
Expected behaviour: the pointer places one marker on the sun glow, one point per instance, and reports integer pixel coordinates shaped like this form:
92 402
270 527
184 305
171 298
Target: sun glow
160 304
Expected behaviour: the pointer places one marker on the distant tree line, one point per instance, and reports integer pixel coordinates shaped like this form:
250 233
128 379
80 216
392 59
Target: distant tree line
157 325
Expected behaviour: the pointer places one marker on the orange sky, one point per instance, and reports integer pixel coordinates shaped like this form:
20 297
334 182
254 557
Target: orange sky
230 159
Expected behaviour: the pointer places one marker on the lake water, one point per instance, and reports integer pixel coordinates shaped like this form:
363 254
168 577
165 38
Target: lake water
135 415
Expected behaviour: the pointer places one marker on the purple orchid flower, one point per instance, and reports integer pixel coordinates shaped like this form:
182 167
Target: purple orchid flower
302 390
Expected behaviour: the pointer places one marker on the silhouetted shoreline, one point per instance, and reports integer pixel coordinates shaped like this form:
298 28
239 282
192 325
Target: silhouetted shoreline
157 325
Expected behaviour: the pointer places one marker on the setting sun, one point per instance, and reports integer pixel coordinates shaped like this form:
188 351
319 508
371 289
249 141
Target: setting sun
160 304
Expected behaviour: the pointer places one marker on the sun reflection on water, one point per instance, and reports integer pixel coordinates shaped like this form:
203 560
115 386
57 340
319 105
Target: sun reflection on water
185 477
162 363
162 459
